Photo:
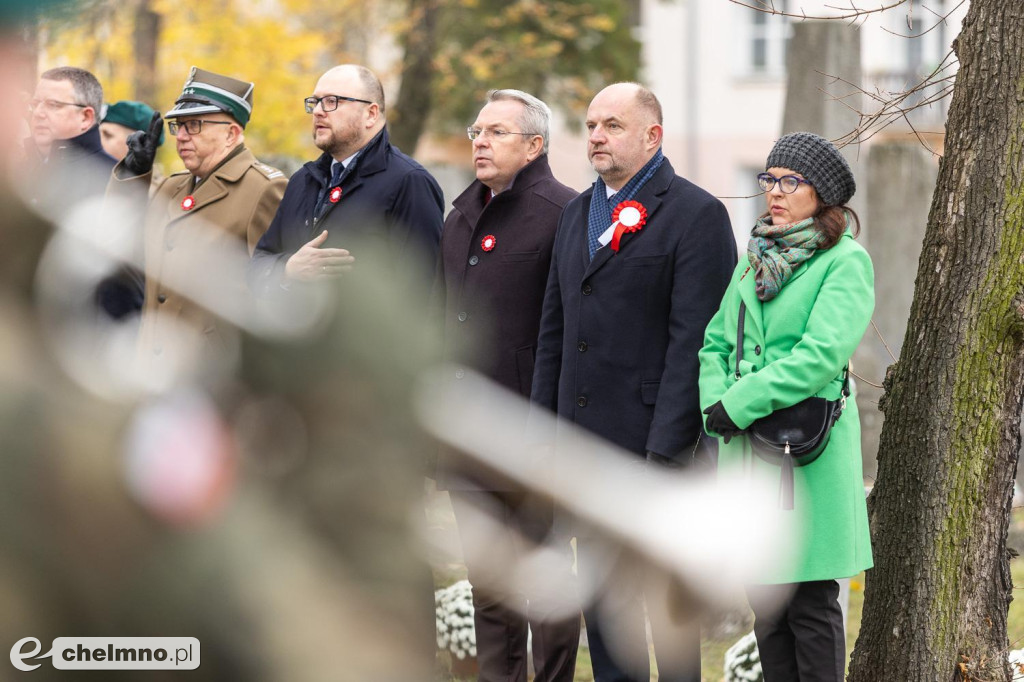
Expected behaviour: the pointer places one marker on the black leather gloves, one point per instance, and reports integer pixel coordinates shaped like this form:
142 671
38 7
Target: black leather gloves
142 147
721 423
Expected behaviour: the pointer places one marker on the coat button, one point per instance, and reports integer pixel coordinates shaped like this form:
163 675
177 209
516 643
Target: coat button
473 260
582 401
460 373
757 350
161 298
463 317
587 289
582 346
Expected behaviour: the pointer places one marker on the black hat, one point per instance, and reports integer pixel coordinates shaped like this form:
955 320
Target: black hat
206 92
818 160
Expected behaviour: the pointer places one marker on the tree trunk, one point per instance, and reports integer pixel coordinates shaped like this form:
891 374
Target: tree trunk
412 106
145 38
936 602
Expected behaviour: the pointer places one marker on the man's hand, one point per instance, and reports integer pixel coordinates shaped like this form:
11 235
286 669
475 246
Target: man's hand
142 147
312 263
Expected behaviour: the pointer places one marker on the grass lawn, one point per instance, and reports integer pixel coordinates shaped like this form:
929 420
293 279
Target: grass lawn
713 650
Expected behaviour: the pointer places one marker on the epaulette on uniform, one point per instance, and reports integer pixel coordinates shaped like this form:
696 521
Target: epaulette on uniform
268 171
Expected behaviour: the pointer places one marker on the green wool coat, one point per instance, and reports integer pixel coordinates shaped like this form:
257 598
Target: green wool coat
794 347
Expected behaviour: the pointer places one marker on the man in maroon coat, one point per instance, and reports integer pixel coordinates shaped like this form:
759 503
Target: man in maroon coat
495 254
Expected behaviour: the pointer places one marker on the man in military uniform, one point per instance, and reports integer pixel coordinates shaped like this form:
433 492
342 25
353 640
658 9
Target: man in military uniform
201 222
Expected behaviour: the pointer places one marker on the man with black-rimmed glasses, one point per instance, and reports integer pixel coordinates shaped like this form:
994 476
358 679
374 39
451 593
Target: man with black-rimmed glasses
200 223
361 190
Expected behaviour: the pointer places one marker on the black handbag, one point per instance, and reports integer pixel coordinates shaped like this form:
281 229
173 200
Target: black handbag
794 436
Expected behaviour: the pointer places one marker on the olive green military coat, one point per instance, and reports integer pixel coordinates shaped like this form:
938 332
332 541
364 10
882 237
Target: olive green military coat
795 346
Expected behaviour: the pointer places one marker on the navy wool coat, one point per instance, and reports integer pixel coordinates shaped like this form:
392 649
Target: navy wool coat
388 199
619 335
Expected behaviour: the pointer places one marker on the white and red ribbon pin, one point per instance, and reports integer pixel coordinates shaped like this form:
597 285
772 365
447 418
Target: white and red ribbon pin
628 216
188 203
335 196
488 243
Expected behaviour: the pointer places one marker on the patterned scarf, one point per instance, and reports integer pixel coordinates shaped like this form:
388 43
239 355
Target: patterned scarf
775 251
600 218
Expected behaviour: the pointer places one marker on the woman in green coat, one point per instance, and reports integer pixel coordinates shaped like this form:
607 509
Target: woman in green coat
808 290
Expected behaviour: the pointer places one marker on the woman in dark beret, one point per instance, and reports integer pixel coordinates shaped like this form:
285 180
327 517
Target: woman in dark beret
806 294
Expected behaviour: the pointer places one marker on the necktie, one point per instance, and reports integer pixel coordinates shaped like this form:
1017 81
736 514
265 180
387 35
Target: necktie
336 171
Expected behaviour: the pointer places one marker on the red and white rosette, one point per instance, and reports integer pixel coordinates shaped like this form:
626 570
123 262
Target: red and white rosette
628 216
335 195
488 243
188 203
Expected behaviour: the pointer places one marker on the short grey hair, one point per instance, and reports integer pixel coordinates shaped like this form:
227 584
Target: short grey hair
536 116
88 90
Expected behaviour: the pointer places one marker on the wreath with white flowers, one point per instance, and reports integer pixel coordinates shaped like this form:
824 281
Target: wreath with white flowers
453 608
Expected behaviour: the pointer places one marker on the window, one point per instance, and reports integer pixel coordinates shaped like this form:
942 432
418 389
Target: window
768 38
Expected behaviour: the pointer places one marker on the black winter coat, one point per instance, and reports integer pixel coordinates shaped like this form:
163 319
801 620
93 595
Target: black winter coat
619 335
387 198
492 298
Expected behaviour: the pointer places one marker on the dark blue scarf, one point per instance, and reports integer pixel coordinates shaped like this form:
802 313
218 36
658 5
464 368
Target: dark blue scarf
600 218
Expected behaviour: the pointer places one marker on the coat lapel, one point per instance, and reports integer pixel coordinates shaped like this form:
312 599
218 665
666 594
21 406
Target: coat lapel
586 198
748 293
211 190
649 197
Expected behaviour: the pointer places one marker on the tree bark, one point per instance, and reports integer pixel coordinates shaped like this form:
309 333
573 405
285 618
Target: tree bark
936 602
145 39
414 101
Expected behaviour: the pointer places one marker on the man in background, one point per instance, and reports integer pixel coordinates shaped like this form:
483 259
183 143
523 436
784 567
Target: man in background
120 120
204 220
640 263
495 255
68 163
361 190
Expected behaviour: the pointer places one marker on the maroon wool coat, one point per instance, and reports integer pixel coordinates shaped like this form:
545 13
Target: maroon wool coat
492 299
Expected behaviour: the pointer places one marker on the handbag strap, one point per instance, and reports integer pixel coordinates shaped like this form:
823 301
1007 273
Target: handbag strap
739 356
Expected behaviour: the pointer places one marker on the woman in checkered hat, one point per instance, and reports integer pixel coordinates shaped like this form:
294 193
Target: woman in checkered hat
806 293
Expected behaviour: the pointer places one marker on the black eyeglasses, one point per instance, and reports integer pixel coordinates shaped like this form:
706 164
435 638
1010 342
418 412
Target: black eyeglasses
787 183
330 102
193 126
53 105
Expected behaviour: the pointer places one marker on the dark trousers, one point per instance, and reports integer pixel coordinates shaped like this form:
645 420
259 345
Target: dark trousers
493 547
799 630
616 625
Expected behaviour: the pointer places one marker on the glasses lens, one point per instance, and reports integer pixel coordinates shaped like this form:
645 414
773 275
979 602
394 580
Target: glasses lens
310 103
789 184
473 133
329 103
194 127
172 126
765 182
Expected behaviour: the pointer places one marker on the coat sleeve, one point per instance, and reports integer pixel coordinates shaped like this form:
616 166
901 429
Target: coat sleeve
698 283
266 267
263 211
547 367
838 318
715 355
416 218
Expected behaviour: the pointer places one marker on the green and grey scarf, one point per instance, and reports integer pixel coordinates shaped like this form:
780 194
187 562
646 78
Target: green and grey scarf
775 251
